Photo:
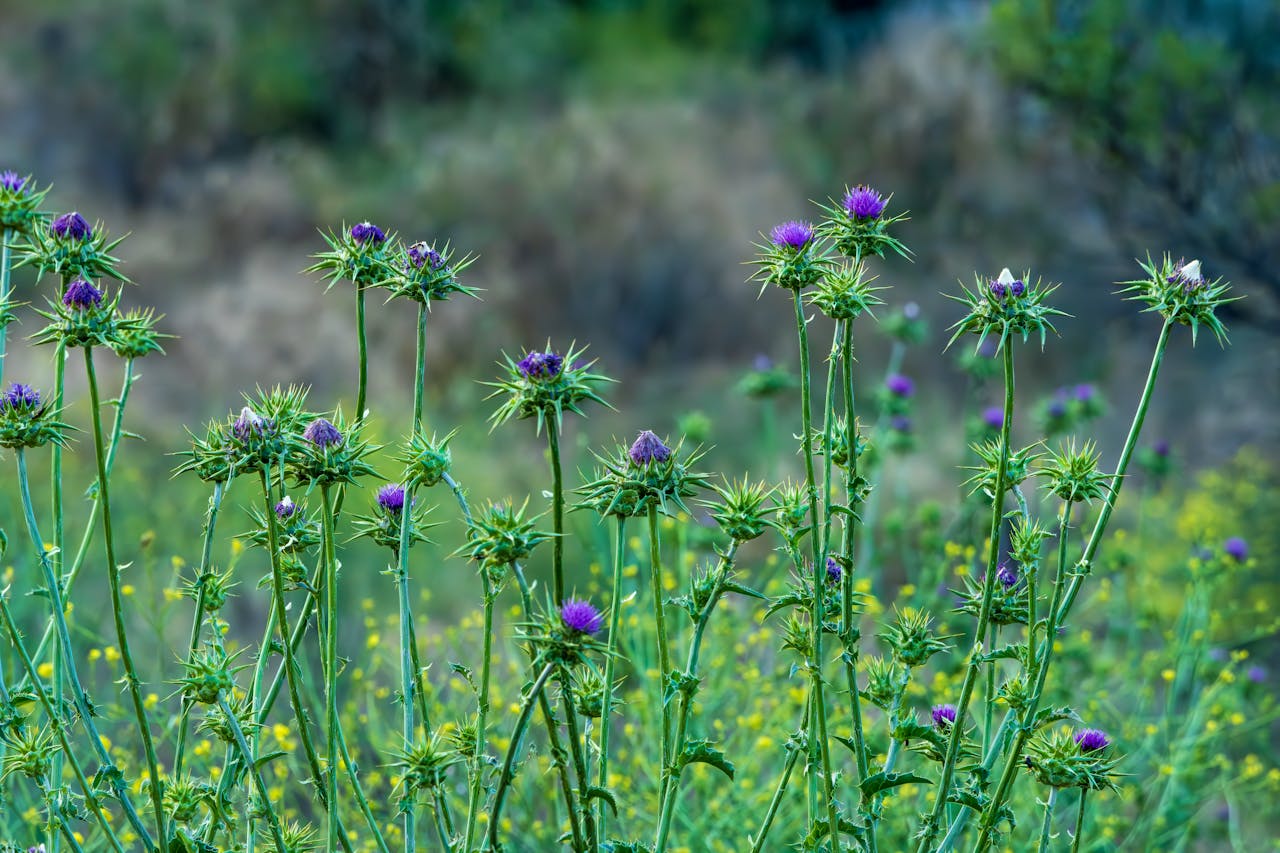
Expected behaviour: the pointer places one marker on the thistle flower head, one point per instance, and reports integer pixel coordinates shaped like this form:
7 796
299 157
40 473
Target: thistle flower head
1065 759
766 379
834 572
740 512
993 417
71 226
422 764
985 478
1007 575
286 508
12 182
1072 474
19 396
944 716
27 421
900 423
648 449
1181 293
81 295
425 274
421 254
911 637
793 234
863 202
323 434
1092 740
20 203
501 535
900 386
426 460
845 292
249 424
391 498
1236 548
540 365
1006 306
136 335
581 617
367 232
544 385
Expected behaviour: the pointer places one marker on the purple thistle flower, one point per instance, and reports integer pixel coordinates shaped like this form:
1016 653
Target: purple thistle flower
420 253
581 616
391 498
1007 575
944 716
322 434
1005 284
1256 674
762 363
20 396
248 424
367 232
792 235
541 365
900 423
993 416
862 202
12 181
648 448
286 508
911 311
1092 740
1058 408
1084 392
998 289
834 572
1161 448
71 225
1236 548
900 386
80 294
1017 288
1187 274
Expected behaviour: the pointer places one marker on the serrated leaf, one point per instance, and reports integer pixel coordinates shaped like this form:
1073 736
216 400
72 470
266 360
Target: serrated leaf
734 586
595 792
702 752
877 782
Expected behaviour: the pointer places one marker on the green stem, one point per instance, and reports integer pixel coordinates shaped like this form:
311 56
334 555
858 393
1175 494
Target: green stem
989 760
408 682
56 823
507 774
202 579
246 756
363 346
331 650
579 761
6 258
420 367
974 667
793 755
117 604
664 652
482 714
1075 839
55 720
1043 846
615 628
817 617
557 513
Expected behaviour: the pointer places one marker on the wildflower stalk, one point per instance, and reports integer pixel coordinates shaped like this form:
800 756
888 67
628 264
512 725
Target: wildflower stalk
557 512
77 691
363 346
821 752
482 714
932 822
117 604
615 626
1075 838
331 646
507 774
420 367
197 624
1047 824
408 685
6 259
793 755
988 761
255 772
592 842
1039 673
660 624
55 820
255 690
673 772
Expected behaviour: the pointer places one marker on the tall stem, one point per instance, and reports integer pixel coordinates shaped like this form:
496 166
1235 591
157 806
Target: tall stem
664 653
331 651
507 773
117 603
793 755
420 368
1075 838
1047 824
6 259
482 714
408 682
615 626
932 823
579 761
272 821
557 513
363 346
817 617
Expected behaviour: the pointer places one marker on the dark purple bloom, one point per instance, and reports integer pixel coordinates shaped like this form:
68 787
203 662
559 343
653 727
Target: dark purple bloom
834 572
944 716
391 498
1084 392
71 225
248 424
900 386
998 289
541 365
792 235
1092 740
367 232
20 396
1236 548
900 423
581 616
1256 674
322 434
286 508
1007 575
12 181
762 363
1017 288
1161 448
1058 408
648 448
81 294
993 416
862 202
420 253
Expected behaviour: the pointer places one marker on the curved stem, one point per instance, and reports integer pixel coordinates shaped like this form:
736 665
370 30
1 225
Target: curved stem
1045 827
579 761
408 683
507 773
1075 839
482 714
117 604
664 654
615 626
557 513
932 823
246 756
821 751
793 755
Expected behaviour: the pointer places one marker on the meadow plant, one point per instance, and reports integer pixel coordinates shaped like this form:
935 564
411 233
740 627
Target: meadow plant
588 705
